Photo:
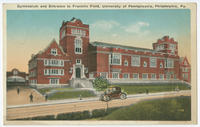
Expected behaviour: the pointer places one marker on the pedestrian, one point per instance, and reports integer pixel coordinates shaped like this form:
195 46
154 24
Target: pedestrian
147 91
80 97
46 97
18 90
31 98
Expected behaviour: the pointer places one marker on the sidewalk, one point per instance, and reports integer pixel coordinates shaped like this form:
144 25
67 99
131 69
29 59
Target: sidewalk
76 100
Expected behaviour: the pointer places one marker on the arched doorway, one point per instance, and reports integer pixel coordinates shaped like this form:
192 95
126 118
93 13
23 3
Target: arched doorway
78 72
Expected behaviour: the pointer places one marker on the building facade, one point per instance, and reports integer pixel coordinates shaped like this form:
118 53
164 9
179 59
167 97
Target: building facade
76 58
15 77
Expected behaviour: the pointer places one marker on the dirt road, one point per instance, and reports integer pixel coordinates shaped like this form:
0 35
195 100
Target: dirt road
13 98
32 111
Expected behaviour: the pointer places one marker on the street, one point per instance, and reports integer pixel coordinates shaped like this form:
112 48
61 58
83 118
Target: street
65 106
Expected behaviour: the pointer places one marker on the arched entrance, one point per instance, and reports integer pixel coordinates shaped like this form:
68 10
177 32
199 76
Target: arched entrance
78 72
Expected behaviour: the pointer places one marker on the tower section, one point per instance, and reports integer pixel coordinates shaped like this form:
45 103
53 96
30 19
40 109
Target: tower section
74 39
166 45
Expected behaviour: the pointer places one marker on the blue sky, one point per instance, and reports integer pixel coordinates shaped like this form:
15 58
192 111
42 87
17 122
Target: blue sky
32 30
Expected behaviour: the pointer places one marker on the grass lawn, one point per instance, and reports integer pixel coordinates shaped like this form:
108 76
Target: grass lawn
178 108
152 88
45 90
71 94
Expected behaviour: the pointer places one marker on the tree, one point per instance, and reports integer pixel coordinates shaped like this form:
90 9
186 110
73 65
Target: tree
100 84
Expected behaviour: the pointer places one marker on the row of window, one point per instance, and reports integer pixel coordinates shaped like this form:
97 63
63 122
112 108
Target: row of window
53 81
32 64
33 81
115 59
78 32
53 62
162 46
115 75
32 73
53 71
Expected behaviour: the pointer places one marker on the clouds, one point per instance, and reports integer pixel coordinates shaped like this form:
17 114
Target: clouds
104 25
138 28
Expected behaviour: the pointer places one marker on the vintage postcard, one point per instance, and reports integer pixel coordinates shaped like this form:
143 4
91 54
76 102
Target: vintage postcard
100 63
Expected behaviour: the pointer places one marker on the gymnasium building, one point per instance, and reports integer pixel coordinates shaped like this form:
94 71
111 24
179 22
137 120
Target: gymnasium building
75 59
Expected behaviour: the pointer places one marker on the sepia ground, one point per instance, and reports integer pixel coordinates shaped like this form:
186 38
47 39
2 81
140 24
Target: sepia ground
23 97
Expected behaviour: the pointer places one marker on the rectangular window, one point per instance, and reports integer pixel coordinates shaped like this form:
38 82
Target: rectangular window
115 75
160 47
144 76
168 76
45 72
125 63
53 51
115 59
152 62
78 45
135 76
185 76
78 61
175 76
153 76
169 63
53 62
136 61
161 76
45 62
125 75
54 81
61 62
53 71
103 74
62 72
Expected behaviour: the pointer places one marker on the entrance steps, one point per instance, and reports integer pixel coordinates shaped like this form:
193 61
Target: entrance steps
80 83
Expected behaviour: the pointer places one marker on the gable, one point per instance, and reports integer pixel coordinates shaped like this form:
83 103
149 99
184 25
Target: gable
185 62
53 49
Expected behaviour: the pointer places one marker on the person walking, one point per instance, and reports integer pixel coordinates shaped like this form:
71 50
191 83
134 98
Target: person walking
147 91
31 97
18 90
46 97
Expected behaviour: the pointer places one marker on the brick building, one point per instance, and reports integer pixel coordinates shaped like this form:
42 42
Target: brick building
76 58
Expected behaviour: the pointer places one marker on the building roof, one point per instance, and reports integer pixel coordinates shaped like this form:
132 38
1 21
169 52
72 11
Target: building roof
102 44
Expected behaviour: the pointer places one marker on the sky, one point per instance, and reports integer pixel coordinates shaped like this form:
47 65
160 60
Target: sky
29 31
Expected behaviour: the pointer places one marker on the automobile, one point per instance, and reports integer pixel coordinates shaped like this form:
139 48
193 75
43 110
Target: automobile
112 93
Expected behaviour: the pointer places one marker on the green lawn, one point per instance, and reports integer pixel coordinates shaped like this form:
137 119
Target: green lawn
152 88
178 108
71 94
45 90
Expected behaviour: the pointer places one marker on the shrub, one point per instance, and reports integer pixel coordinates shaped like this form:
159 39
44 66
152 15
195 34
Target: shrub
100 84
98 113
48 117
74 116
85 115
64 116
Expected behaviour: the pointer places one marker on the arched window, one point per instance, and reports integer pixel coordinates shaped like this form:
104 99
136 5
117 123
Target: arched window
125 63
161 65
145 64
78 45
